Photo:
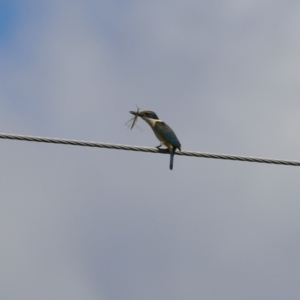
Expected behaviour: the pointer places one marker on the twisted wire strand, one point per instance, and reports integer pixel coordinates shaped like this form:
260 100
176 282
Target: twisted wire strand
146 149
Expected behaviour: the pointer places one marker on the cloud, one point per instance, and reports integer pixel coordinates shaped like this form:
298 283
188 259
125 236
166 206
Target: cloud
103 224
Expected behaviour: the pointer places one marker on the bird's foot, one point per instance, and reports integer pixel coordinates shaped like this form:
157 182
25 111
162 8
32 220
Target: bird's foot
164 150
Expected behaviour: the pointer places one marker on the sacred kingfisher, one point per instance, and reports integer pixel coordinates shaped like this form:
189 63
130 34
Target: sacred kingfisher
162 131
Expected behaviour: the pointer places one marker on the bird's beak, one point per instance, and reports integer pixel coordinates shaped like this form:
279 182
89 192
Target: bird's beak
134 113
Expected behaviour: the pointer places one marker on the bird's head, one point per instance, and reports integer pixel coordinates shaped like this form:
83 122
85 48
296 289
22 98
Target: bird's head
145 114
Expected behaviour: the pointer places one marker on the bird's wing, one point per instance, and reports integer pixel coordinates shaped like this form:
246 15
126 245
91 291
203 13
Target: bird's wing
167 133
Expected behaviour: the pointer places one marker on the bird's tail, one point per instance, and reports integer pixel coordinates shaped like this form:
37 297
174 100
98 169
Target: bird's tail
172 157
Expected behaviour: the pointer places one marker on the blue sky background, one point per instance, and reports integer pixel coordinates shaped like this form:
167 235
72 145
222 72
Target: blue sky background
80 223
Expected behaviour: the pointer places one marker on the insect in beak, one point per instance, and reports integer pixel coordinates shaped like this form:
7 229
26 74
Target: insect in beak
134 119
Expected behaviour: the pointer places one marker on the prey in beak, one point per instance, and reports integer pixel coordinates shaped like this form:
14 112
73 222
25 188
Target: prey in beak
134 119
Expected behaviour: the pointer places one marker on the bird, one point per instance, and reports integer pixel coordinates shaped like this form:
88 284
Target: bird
162 131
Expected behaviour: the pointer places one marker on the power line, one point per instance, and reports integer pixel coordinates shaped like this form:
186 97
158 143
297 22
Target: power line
146 149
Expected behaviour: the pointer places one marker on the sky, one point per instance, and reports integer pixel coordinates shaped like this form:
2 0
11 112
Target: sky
84 223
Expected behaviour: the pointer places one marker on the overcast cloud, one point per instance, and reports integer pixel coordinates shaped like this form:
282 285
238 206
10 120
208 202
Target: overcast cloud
81 223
